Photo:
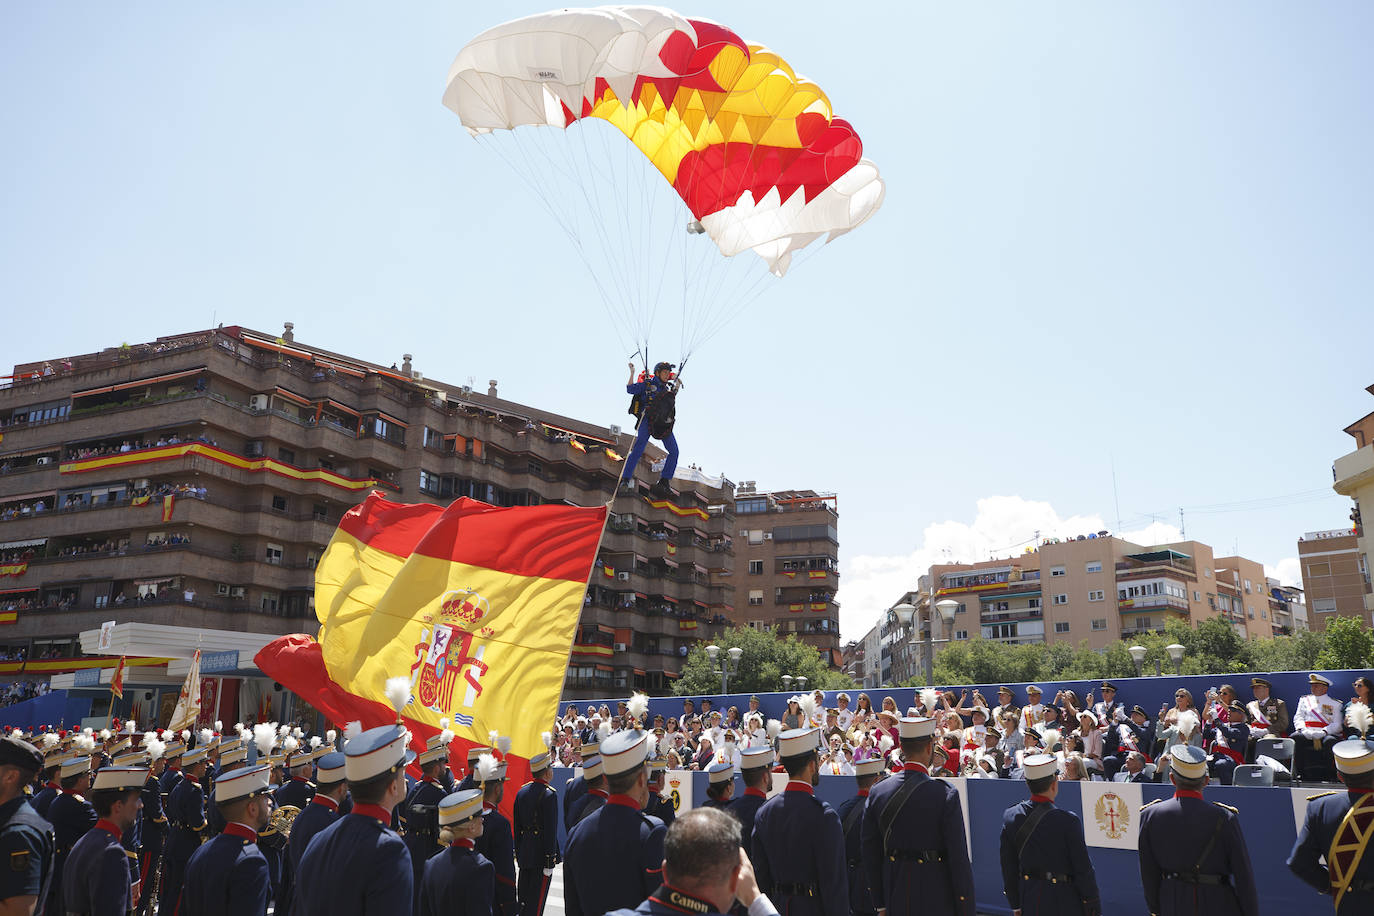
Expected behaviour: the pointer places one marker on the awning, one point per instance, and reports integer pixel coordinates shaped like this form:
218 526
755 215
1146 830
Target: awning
640 672
344 407
276 347
23 496
606 668
292 396
31 452
573 432
340 367
34 542
390 419
18 591
138 383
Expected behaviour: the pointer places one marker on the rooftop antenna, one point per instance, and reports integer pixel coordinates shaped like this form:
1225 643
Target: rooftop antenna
1182 526
1116 496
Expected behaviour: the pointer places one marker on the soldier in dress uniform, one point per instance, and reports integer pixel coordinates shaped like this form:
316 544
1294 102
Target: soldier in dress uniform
186 813
1107 710
659 806
322 811
1045 865
1316 729
615 854
798 847
52 762
576 789
1193 857
422 813
153 827
497 842
474 754
358 864
229 761
720 786
1268 714
71 817
26 840
596 794
172 774
705 872
460 881
1033 713
132 838
536 836
1335 823
228 875
97 876
297 790
1005 704
755 767
851 812
914 850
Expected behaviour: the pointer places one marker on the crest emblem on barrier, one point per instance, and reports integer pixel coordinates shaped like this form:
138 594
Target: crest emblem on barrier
1112 815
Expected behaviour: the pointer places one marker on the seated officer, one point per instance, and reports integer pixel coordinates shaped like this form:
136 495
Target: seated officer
1192 854
459 881
1045 865
228 875
1316 729
704 871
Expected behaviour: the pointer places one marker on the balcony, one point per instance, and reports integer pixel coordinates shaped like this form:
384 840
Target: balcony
1030 613
1151 602
1354 472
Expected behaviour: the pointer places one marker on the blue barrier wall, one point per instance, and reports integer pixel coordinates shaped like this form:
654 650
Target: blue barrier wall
1148 692
1266 820
58 709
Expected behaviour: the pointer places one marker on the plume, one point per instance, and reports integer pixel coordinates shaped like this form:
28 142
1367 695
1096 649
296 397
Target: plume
330 735
84 744
398 693
104 734
603 731
219 726
638 706
930 699
149 738
133 726
774 729
885 743
206 736
503 744
352 730
486 767
547 738
264 736
808 707
297 733
185 735
290 745
49 740
1187 723
155 748
1359 718
315 742
283 730
665 745
492 737
88 731
444 724
1053 736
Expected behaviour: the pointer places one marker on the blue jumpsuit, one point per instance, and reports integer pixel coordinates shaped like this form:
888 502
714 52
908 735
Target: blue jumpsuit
96 880
358 865
648 390
536 843
799 854
923 866
1054 875
614 859
457 882
1174 833
227 876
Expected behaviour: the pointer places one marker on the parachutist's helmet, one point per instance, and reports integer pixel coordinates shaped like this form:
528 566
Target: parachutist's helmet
661 366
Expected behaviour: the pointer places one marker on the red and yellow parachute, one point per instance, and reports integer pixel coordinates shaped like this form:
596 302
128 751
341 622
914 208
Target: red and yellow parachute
753 150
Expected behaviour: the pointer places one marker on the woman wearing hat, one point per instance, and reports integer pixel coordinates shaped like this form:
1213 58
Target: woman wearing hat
887 723
793 718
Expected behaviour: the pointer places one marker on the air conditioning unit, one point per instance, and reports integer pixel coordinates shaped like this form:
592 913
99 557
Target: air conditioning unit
221 589
768 535
466 391
623 576
615 430
258 402
46 459
238 591
620 681
621 647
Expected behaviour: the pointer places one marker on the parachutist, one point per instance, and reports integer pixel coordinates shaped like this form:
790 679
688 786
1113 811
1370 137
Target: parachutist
654 406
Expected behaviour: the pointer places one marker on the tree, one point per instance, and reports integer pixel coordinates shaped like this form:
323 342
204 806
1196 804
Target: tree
765 660
1349 644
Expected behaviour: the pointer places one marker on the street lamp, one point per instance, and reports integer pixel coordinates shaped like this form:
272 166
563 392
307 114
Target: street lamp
1137 656
787 682
725 667
1176 656
906 613
801 683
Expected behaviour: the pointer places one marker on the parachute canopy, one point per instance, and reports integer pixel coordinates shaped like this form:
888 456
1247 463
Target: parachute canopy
753 150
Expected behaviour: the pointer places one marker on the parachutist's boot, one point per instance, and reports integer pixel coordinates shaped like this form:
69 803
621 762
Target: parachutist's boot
661 488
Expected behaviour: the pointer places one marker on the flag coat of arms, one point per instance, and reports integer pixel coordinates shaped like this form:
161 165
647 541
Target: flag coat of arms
475 605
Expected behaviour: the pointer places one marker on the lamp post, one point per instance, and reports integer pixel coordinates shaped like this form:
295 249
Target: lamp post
787 682
1176 656
801 683
1138 657
725 667
907 612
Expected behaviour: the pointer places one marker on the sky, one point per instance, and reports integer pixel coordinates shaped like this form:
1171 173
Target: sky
1122 267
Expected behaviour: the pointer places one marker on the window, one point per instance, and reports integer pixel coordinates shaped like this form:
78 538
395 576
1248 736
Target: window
1061 599
319 512
278 503
1247 586
1061 626
1251 609
746 506
429 482
961 634
1033 603
1093 567
1057 571
270 601
755 567
1319 569
1100 623
1095 595
286 455
273 554
1207 571
433 438
1144 623
1324 605
1197 595
960 609
756 596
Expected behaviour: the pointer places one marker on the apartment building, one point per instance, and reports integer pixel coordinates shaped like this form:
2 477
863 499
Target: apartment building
195 481
1335 575
787 565
1354 477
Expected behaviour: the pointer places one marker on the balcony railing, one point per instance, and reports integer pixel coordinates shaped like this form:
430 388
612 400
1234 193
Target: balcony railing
1152 601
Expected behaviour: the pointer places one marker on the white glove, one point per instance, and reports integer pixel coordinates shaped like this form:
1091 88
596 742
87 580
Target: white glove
548 873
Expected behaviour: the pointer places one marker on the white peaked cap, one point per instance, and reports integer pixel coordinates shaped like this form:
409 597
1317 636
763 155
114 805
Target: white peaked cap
623 751
916 727
1038 766
798 741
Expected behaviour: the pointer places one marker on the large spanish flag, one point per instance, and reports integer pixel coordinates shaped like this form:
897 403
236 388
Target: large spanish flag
476 605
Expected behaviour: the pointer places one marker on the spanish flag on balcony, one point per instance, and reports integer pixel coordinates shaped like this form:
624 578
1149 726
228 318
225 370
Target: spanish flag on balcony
14 569
672 550
608 570
168 502
141 500
577 445
790 575
686 624
795 607
818 605
475 605
592 649
816 574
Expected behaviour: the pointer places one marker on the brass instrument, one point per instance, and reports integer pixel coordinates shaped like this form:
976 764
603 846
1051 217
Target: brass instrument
278 829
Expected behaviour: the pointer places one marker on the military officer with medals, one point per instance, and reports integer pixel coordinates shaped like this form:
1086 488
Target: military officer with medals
26 840
1033 713
755 767
497 842
720 785
914 849
422 812
851 812
595 795
1045 865
228 875
659 805
1193 857
322 811
614 857
96 879
71 816
1107 710
359 864
536 836
459 881
1339 825
186 813
1268 714
798 847
1316 728
1229 737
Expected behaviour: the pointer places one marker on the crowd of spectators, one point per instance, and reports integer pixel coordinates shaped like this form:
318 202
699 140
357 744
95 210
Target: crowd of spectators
132 445
19 691
24 509
1102 739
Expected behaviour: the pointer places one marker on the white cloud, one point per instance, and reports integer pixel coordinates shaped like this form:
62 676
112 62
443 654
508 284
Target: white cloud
1288 571
1004 526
